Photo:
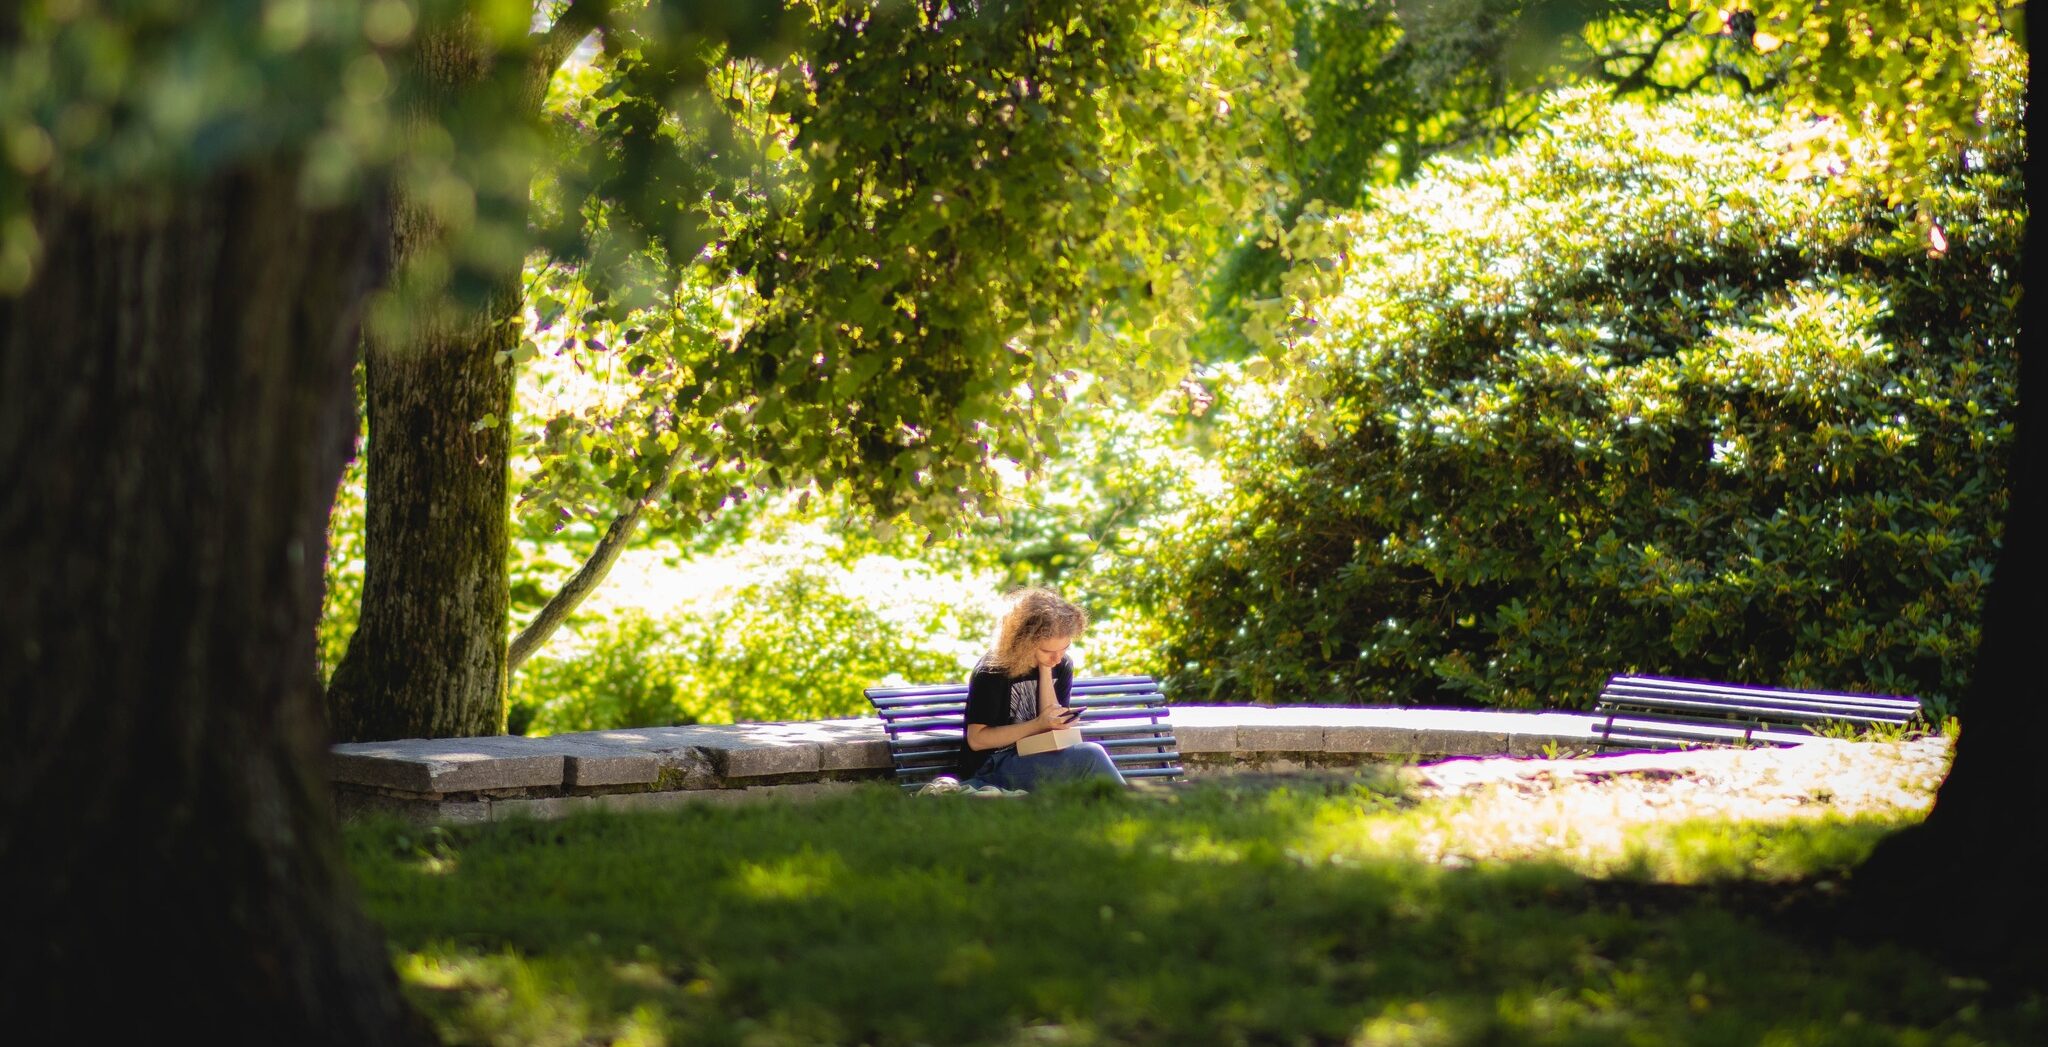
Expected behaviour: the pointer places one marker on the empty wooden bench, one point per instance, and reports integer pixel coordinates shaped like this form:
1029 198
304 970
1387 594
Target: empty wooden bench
1657 712
1126 715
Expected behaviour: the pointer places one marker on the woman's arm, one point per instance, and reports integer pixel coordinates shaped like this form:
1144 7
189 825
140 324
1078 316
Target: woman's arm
1052 716
982 736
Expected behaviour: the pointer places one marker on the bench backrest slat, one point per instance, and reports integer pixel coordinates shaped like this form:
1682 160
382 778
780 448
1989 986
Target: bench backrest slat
1803 712
1665 711
1125 714
1660 689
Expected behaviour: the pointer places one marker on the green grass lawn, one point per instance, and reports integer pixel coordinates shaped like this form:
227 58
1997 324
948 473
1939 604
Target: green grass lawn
1321 910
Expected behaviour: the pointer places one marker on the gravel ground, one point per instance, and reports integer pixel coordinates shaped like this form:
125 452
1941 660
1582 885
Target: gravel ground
1589 807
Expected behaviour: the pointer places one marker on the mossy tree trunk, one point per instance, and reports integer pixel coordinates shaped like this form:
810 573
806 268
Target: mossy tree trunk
174 417
428 657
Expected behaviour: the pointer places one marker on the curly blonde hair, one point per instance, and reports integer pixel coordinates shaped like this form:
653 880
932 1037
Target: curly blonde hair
1034 615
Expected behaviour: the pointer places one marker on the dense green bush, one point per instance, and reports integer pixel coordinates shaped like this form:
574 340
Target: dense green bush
799 647
1629 398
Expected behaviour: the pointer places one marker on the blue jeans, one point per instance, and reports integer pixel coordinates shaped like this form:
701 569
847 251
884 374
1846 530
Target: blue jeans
1008 770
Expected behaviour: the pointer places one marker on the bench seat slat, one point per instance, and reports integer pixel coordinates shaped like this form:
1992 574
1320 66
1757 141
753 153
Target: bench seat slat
1108 738
912 779
1721 732
1666 741
1808 723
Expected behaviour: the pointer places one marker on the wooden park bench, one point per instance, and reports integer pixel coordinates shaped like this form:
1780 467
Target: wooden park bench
1655 712
1126 715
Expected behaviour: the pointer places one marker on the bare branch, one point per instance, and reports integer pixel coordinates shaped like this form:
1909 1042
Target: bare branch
592 573
554 44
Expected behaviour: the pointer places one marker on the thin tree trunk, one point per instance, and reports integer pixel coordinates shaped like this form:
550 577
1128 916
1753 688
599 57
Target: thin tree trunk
428 656
174 417
1960 881
592 574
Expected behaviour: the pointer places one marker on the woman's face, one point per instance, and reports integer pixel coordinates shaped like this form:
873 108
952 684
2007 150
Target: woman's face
1051 651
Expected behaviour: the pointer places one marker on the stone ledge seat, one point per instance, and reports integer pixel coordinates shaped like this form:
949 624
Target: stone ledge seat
468 779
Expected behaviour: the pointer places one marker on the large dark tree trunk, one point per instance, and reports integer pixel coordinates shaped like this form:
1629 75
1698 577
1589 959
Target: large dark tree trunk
428 657
1960 881
174 416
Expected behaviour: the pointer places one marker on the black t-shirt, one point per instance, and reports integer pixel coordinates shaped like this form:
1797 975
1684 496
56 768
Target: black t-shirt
998 700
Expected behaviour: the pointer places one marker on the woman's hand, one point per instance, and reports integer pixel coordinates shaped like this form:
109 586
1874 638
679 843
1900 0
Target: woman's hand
1052 716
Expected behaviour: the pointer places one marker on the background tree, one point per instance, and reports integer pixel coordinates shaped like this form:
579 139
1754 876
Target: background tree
966 207
1741 427
428 656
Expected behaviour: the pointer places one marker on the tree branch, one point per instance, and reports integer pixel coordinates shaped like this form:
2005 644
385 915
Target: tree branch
589 576
553 45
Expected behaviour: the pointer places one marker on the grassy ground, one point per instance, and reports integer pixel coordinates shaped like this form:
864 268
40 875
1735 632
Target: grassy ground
1454 906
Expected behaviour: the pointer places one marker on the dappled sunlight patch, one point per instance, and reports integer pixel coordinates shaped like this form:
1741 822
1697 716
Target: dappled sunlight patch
1125 834
436 970
1410 1024
435 865
642 1028
1710 849
505 997
1203 848
796 877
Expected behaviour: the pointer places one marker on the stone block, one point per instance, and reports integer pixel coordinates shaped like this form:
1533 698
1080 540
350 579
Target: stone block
1520 744
1368 738
1440 741
669 800
446 765
761 760
562 806
583 770
854 755
1205 738
463 811
352 804
537 807
1219 765
679 754
729 751
687 769
800 790
1568 732
1279 738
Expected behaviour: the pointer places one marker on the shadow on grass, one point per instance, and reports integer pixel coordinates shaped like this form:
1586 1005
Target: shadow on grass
1220 913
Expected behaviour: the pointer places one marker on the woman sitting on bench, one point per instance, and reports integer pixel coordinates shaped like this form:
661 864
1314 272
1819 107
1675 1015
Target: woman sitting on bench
1021 688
